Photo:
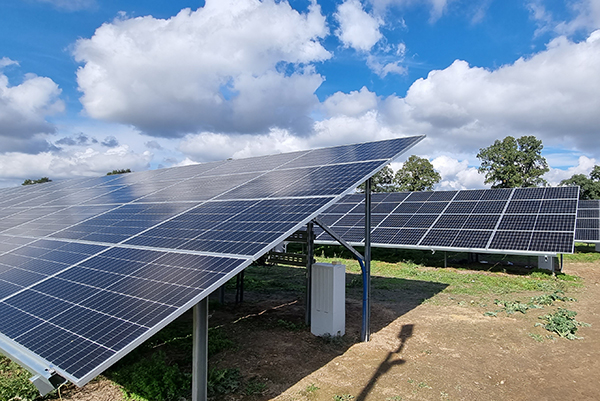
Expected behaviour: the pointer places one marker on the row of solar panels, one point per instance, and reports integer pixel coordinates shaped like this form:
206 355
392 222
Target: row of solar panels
90 268
528 220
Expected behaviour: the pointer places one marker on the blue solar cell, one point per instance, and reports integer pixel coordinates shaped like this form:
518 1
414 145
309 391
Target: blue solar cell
463 207
528 193
474 239
395 220
470 195
517 222
489 207
511 240
560 242
582 234
409 236
439 238
451 221
555 223
523 206
497 194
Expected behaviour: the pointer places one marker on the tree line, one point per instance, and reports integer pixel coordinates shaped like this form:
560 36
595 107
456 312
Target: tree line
508 163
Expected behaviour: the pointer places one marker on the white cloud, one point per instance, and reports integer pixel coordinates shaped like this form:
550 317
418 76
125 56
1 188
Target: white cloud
232 66
585 17
358 29
354 103
584 166
209 146
24 109
456 174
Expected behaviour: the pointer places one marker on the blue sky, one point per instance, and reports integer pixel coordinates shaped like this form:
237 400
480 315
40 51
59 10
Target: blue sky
88 86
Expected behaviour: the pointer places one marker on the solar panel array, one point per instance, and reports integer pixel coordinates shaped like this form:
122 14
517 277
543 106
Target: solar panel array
90 268
528 220
588 221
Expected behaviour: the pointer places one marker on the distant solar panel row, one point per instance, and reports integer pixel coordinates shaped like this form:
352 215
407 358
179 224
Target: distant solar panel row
90 268
588 221
519 219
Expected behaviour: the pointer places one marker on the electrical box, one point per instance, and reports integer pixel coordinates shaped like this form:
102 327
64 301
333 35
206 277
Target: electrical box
548 263
328 299
598 247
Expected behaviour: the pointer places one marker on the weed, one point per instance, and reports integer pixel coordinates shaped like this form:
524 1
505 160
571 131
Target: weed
355 282
218 341
14 382
394 398
423 385
254 387
536 337
490 313
343 397
286 324
563 323
151 379
336 340
311 388
223 381
548 299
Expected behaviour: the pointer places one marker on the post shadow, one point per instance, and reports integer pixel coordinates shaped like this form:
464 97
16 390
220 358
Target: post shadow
405 333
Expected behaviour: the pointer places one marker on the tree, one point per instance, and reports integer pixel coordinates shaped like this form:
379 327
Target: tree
417 174
383 181
123 171
513 163
31 182
589 187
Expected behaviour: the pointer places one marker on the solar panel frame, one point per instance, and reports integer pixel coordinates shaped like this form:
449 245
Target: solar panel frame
137 206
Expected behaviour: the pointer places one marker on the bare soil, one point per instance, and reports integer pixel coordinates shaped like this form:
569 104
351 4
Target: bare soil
425 345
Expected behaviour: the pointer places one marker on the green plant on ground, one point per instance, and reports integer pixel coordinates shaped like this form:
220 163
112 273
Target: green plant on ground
548 299
394 398
223 381
343 397
14 382
536 337
291 326
255 386
151 379
563 323
311 388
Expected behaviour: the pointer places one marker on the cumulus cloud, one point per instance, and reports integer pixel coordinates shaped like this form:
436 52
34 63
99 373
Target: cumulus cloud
584 166
586 17
235 66
357 29
208 146
457 174
24 109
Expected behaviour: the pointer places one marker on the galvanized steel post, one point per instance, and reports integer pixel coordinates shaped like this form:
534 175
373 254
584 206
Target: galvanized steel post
200 351
365 332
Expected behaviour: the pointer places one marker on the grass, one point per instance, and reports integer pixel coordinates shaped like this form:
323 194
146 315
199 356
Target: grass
458 280
14 382
563 323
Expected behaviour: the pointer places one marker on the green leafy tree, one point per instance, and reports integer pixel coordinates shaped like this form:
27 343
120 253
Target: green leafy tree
417 174
513 163
383 181
39 181
589 186
115 172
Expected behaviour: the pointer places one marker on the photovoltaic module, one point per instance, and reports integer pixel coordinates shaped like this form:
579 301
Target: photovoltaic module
90 268
516 220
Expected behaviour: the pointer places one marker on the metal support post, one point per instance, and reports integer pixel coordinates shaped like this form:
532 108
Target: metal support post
365 333
239 287
200 351
222 294
310 250
445 259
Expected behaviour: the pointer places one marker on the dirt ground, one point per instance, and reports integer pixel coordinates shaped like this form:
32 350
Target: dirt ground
426 345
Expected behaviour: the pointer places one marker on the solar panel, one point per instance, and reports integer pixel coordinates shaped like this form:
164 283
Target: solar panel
524 220
588 221
90 268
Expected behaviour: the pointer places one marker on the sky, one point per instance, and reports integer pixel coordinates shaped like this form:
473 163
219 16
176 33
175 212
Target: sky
91 86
